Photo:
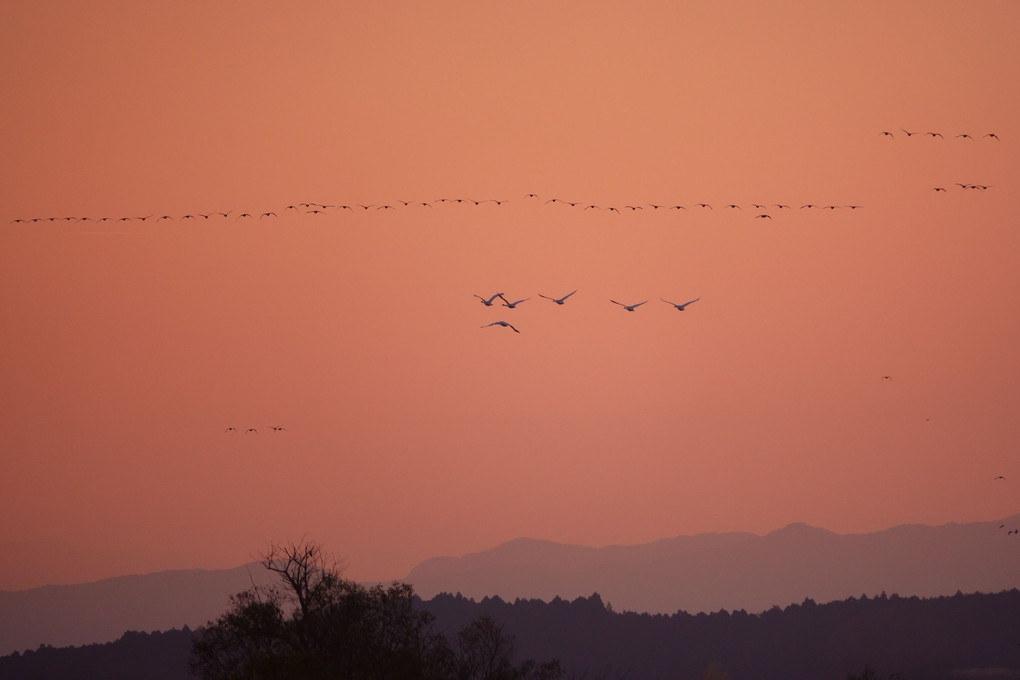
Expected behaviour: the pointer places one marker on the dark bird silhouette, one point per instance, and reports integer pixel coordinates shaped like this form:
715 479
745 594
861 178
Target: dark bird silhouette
629 308
934 134
251 430
965 136
853 207
888 134
231 429
763 215
267 214
909 134
558 301
734 205
488 302
511 305
886 377
705 205
808 205
993 136
278 428
1000 477
501 323
781 206
677 207
681 306
938 188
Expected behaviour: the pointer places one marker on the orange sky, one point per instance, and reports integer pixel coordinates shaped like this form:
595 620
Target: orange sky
126 348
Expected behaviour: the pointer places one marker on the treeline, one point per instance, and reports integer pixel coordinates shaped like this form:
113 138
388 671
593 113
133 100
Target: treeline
909 638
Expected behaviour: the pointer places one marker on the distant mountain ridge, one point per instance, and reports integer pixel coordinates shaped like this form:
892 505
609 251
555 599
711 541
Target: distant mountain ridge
101 611
708 572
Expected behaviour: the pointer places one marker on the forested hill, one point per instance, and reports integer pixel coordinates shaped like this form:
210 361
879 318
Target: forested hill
941 638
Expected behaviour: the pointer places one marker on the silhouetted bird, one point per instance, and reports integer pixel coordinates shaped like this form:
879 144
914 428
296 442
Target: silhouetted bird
888 134
231 429
704 205
558 301
488 302
681 307
501 323
993 136
934 134
763 215
629 308
511 305
252 430
965 136
278 429
938 189
909 134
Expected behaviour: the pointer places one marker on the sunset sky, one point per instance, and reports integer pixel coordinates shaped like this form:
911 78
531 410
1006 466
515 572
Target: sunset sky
127 348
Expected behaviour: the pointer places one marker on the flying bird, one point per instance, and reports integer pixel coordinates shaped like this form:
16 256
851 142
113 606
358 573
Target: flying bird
278 429
1000 477
488 303
934 134
502 323
511 305
888 134
704 205
251 430
762 216
558 301
993 136
965 136
629 308
938 188
683 306
231 429
909 134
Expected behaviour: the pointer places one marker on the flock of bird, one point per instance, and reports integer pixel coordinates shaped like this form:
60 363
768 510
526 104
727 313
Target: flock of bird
252 430
491 301
761 210
939 135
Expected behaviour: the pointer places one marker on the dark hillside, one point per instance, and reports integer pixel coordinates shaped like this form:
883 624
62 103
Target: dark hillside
945 638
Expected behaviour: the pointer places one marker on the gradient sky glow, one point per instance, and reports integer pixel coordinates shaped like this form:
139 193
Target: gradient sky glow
126 348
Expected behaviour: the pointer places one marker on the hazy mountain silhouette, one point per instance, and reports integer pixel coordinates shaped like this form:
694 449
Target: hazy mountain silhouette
103 610
32 564
709 572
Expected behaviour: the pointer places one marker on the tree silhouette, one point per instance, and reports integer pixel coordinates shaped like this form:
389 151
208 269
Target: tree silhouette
313 624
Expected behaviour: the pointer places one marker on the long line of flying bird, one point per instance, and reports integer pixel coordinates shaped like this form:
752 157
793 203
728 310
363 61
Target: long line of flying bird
760 210
931 134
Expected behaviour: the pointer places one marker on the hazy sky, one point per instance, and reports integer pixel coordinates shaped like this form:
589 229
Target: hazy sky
128 347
